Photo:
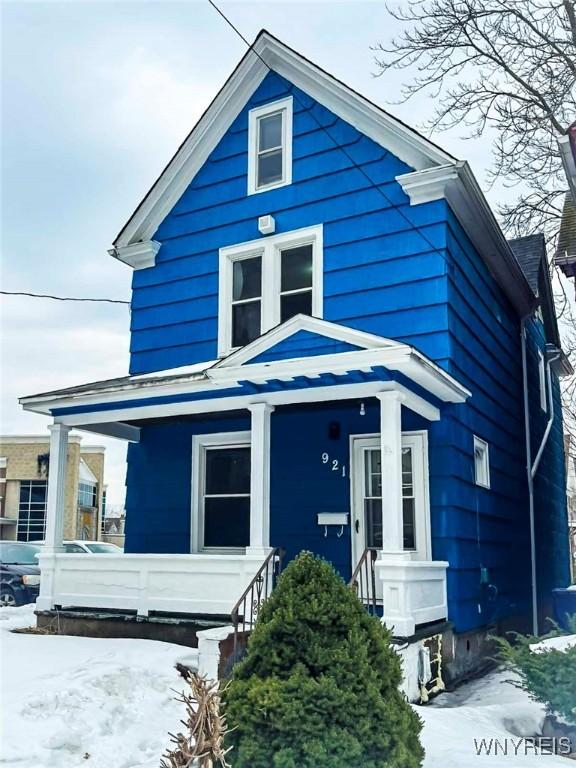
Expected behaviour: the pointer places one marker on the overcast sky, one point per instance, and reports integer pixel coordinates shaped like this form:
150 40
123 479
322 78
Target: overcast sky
96 98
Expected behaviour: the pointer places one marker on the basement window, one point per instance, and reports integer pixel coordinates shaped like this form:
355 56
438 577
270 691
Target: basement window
270 146
481 463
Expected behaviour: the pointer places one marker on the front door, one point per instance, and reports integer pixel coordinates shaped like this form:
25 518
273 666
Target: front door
367 518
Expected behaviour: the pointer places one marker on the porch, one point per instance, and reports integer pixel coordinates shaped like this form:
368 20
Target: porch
301 453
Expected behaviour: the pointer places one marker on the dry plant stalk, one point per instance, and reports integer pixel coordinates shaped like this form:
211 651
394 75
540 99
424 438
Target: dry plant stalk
203 744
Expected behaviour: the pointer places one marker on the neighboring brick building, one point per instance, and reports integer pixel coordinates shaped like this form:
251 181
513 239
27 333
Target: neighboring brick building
24 467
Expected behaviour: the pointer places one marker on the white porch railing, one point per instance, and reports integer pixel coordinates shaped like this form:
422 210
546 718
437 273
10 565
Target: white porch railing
202 584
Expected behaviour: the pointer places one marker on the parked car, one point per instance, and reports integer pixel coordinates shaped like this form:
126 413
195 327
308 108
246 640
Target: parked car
19 572
92 547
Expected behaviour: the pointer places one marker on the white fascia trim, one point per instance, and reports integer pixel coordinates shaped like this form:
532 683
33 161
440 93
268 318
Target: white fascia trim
416 151
287 397
268 248
280 105
194 152
304 323
456 184
140 255
402 141
399 357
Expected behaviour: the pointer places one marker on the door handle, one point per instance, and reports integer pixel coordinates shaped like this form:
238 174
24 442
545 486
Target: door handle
357 526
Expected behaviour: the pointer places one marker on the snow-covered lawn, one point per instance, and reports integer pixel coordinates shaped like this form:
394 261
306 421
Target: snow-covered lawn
74 701
79 701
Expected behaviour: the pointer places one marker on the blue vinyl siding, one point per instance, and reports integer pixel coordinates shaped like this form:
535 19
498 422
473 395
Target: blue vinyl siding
159 483
175 303
402 272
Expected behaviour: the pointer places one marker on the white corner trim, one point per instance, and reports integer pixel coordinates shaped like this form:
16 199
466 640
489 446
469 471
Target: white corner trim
139 255
269 248
456 184
415 150
285 107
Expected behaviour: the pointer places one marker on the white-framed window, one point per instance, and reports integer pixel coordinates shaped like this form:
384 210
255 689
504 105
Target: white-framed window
481 462
542 380
221 492
265 282
270 146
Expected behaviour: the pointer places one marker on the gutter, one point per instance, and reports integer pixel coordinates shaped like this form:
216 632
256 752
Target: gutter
532 468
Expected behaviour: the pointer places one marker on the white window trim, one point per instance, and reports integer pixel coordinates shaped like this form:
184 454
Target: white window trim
199 445
479 443
269 249
284 105
542 381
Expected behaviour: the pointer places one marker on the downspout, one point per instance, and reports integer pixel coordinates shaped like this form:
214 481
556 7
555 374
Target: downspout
531 469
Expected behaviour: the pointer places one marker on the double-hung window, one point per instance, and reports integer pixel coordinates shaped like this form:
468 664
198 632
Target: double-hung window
270 146
265 282
246 299
221 491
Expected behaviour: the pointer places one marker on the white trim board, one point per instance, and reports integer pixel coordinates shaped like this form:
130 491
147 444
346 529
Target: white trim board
283 106
198 480
269 250
267 51
282 397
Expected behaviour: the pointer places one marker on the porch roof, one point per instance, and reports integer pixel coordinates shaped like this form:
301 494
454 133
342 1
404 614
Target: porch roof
363 365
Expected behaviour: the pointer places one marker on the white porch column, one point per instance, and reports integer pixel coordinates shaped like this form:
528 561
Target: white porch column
391 464
413 592
54 515
56 486
260 479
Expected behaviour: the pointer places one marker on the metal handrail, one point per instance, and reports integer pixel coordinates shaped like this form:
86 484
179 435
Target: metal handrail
363 580
245 612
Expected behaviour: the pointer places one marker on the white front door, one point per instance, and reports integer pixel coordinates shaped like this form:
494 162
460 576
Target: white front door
367 493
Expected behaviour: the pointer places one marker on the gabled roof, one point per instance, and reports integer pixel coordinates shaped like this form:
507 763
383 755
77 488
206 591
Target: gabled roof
530 252
566 247
268 53
370 353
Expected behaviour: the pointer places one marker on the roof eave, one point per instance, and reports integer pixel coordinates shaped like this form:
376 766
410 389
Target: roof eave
456 184
269 52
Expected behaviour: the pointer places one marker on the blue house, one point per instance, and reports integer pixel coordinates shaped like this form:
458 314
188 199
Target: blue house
333 348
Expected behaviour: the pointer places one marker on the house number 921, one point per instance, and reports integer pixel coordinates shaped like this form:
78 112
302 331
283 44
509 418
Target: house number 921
334 464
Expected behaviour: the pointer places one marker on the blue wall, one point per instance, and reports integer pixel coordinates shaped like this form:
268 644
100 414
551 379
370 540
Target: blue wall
428 288
174 304
158 501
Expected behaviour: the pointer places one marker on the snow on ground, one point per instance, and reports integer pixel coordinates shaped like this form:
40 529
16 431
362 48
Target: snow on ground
64 698
489 708
560 643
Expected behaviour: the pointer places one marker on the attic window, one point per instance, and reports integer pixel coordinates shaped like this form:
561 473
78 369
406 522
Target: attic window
270 146
481 463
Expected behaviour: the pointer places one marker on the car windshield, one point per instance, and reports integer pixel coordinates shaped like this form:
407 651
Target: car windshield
12 552
103 548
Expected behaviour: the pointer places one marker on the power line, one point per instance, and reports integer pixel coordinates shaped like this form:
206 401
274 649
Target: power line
374 184
61 298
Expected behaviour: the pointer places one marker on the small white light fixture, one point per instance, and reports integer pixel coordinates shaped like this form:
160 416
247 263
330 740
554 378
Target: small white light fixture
362 409
266 225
